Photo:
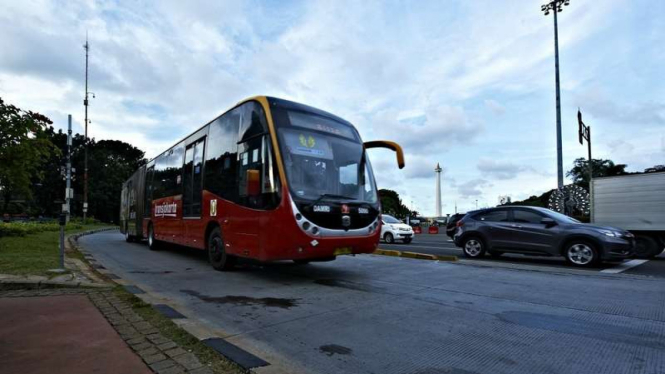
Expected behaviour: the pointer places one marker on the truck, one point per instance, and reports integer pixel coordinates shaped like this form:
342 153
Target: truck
634 202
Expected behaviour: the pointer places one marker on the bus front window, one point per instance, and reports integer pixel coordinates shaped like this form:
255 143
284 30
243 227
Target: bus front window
331 162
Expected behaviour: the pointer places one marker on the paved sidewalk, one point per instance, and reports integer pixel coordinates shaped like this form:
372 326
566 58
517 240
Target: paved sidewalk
83 330
61 334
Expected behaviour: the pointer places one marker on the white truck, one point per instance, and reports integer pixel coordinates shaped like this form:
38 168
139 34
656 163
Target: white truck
634 202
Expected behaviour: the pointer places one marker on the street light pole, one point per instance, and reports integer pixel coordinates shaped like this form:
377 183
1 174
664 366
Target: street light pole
556 6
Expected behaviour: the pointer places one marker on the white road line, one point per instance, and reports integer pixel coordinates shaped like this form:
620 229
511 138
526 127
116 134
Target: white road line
624 266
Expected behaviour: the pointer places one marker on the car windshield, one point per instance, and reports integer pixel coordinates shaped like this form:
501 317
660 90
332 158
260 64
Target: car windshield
560 217
389 219
323 157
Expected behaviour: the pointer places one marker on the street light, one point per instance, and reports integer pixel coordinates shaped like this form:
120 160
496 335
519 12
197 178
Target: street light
556 6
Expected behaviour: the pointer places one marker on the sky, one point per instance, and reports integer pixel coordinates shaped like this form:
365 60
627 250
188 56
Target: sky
467 84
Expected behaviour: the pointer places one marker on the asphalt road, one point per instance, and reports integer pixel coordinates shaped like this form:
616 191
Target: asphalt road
440 244
379 314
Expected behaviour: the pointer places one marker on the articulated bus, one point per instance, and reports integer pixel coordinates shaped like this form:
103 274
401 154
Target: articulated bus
267 180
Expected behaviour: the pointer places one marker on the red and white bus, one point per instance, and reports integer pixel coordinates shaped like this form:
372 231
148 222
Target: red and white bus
267 180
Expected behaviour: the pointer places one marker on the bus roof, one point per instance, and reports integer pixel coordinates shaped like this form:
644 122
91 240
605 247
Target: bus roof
280 103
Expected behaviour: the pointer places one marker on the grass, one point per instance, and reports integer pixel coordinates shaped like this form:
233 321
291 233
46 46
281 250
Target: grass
185 340
33 254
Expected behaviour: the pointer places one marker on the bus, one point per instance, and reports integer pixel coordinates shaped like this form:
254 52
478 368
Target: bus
267 180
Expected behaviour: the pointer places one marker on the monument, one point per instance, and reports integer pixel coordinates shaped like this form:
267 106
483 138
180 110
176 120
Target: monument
438 171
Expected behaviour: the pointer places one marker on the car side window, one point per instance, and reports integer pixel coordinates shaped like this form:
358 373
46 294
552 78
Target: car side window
493 216
525 216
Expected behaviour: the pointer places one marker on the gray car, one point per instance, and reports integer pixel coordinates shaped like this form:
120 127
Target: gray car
540 231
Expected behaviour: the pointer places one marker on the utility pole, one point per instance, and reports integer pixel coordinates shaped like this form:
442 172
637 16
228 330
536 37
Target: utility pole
68 192
556 6
86 46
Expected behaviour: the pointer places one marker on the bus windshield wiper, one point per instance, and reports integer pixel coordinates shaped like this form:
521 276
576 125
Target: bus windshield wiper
330 196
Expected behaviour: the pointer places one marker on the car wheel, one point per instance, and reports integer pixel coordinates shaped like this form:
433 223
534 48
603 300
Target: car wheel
153 244
407 240
473 247
581 253
646 247
217 255
389 238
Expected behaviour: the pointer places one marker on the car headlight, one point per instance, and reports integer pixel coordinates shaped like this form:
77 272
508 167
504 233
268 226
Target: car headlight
611 233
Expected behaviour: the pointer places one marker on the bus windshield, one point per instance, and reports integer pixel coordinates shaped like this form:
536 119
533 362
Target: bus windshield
323 157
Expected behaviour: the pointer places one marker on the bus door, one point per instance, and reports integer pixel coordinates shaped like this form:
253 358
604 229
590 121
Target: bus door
192 191
245 221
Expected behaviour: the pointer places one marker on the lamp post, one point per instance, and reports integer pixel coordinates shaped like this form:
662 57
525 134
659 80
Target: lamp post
556 6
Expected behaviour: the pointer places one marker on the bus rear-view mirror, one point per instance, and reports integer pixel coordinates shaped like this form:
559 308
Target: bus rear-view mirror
253 182
390 145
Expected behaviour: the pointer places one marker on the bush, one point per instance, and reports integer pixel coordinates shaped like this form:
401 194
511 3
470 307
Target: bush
26 228
87 221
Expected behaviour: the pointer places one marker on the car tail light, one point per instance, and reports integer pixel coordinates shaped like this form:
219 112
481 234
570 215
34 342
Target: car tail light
459 223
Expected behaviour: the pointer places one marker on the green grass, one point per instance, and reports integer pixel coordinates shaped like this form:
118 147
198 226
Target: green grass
170 330
34 254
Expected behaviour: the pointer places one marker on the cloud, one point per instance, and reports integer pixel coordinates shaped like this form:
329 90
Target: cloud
499 169
597 103
472 188
442 79
495 107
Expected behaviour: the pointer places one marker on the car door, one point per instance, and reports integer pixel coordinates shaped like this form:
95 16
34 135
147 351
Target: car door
530 234
496 227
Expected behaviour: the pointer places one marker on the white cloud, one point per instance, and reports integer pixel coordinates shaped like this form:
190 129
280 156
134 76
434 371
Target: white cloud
445 80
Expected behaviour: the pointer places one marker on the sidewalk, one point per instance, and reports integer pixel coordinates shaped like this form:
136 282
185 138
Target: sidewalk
61 334
83 330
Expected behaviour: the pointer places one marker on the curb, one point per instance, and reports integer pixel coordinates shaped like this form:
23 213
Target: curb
414 255
10 284
244 359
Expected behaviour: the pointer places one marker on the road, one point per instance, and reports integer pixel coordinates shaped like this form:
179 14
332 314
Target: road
440 244
379 314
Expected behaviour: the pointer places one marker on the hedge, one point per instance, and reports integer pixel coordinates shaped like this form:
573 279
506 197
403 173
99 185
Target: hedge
25 228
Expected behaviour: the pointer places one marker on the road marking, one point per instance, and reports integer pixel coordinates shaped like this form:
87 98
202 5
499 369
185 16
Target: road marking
624 266
406 246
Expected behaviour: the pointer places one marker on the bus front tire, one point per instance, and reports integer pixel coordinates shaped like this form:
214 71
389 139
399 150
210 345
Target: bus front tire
217 255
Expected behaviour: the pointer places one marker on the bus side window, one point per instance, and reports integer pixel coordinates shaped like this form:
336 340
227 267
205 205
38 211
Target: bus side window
147 206
221 156
168 172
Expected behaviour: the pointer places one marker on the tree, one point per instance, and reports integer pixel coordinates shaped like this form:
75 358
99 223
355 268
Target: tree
601 168
392 204
24 148
111 162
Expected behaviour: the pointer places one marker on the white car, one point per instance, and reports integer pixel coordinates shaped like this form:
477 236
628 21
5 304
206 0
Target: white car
392 229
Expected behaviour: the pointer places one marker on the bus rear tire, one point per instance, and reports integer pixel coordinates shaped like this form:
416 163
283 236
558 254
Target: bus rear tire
128 238
217 255
153 244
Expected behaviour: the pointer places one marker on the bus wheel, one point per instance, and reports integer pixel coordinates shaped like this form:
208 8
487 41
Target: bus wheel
217 253
128 238
153 244
301 262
